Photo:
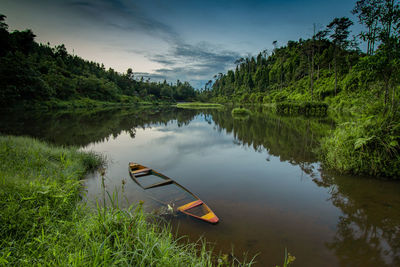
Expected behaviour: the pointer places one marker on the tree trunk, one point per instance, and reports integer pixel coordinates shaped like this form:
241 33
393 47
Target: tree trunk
312 79
369 42
312 64
335 77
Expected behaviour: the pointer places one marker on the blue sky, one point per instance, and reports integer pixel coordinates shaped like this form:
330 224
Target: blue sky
171 39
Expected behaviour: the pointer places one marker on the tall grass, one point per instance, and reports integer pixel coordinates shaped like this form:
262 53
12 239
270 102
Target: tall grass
368 145
43 221
40 187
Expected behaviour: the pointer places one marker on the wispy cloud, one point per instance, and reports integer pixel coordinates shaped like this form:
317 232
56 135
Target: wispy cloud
157 35
193 62
197 63
122 15
124 23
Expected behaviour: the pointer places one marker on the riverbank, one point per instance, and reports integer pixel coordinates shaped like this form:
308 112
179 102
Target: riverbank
43 222
366 140
199 105
87 103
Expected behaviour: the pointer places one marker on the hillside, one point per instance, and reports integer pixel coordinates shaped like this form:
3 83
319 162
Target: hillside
286 73
329 68
37 74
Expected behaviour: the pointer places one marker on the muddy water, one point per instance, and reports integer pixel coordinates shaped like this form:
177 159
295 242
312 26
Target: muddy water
259 174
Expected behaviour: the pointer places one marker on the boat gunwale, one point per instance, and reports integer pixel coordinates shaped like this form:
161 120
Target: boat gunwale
213 220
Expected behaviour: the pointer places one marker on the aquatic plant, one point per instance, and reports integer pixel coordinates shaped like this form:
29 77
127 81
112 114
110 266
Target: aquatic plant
240 111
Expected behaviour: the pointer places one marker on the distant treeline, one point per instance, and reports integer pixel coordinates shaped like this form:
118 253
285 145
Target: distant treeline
32 72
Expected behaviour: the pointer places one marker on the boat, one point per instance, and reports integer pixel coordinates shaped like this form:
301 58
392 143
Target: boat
188 203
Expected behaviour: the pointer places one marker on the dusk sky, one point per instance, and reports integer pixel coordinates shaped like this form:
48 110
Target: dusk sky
169 39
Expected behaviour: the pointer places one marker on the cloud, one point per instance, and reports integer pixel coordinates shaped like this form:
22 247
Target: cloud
196 63
122 15
128 21
152 76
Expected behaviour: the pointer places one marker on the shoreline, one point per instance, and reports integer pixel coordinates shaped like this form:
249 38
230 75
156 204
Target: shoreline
46 223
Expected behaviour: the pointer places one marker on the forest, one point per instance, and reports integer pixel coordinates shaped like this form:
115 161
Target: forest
327 67
33 74
330 69
327 72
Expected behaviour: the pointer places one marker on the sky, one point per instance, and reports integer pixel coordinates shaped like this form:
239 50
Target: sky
171 39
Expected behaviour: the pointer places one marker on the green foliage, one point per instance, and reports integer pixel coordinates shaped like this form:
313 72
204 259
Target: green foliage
40 185
285 74
240 111
369 145
32 73
42 222
200 105
306 108
337 73
289 259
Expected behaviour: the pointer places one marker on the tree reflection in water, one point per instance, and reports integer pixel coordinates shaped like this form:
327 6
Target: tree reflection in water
83 127
368 230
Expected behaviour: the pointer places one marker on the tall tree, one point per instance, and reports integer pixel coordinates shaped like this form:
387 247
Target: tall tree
368 15
312 62
4 36
389 18
339 28
321 37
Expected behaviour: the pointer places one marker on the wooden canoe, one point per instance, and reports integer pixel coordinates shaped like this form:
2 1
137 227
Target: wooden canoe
192 205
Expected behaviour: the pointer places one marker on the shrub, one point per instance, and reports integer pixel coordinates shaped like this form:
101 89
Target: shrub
369 145
240 111
317 109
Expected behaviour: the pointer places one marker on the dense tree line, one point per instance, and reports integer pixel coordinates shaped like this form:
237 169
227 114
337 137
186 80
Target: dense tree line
32 72
330 68
254 78
324 65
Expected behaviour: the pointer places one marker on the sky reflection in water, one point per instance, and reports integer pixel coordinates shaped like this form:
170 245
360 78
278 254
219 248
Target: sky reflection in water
259 175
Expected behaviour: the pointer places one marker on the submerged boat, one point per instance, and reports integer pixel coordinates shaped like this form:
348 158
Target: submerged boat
187 202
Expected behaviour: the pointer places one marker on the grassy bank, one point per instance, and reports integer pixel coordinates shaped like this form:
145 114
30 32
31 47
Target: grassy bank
366 145
85 103
302 108
240 112
199 105
42 221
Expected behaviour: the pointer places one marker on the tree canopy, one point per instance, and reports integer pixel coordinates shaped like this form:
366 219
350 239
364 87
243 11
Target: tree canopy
32 72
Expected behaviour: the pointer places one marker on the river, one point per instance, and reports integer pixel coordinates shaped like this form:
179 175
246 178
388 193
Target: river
260 174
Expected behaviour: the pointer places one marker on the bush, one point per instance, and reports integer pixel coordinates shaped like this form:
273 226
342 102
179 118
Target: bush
240 111
317 109
369 145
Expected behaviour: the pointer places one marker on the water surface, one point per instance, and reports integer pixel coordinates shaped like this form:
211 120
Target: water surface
259 174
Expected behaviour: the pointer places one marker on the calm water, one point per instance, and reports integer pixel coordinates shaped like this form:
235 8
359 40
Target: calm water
259 174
